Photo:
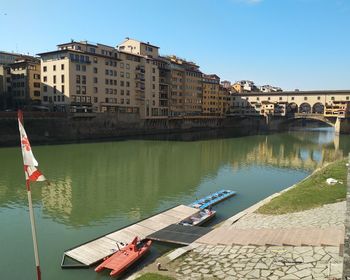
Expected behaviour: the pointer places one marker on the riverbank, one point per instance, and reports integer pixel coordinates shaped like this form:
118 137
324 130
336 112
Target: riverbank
312 192
58 128
312 258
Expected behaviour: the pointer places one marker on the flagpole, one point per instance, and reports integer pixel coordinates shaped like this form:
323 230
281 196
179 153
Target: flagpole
32 223
31 174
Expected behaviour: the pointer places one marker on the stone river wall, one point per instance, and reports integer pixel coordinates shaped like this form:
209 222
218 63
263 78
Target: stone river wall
47 128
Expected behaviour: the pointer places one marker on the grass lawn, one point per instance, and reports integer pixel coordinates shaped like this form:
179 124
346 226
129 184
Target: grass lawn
154 276
311 192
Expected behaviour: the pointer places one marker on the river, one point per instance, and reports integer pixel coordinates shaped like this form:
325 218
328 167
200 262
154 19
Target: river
95 188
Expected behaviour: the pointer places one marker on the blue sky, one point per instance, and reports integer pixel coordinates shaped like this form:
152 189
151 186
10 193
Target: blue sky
301 44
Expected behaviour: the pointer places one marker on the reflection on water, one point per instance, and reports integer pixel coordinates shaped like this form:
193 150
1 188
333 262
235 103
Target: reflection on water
90 182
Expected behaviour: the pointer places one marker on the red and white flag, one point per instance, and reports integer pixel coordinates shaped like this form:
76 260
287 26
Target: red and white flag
30 163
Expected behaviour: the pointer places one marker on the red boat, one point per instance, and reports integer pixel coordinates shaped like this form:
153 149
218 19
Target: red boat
125 257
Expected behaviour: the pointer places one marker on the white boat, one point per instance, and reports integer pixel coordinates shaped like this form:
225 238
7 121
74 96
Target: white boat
198 219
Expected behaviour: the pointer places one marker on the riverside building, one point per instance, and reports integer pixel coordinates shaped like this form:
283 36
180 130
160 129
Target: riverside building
185 87
211 84
85 77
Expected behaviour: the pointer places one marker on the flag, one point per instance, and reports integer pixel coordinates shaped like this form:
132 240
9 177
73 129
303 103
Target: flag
29 161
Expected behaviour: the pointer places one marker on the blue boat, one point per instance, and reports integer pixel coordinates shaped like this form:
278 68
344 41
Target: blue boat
212 199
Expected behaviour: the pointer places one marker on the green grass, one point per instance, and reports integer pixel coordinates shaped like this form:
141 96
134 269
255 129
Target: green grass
311 192
154 276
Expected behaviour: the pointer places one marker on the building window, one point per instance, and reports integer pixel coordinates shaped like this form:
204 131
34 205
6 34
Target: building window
305 97
95 99
77 78
319 98
106 81
127 84
95 70
332 98
127 75
62 78
128 92
153 78
54 67
122 92
78 90
95 80
45 88
83 79
127 66
45 78
62 66
153 70
95 90
54 89
54 98
280 98
95 59
122 74
347 98
77 67
62 89
292 98
45 98
83 68
83 89
121 64
44 68
54 79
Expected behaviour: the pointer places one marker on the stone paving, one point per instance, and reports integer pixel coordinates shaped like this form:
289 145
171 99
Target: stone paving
251 262
323 217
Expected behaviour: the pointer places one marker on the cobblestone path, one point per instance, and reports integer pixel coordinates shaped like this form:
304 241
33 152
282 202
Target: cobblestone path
250 262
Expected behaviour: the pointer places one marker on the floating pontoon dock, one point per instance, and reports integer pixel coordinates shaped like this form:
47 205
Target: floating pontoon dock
212 199
94 251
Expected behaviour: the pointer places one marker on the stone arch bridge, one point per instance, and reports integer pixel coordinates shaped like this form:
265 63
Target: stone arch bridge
331 107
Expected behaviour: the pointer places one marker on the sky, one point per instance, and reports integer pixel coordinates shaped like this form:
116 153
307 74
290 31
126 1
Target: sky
294 44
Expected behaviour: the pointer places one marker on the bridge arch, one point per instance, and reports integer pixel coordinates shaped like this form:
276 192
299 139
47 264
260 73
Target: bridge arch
318 108
305 108
292 108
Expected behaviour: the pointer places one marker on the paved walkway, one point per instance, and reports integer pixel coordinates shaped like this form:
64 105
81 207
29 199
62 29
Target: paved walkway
329 215
251 262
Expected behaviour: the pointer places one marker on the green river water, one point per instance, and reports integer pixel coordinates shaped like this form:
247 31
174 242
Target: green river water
96 188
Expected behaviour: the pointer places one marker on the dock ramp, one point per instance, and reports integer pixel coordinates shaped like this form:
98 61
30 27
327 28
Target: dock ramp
179 234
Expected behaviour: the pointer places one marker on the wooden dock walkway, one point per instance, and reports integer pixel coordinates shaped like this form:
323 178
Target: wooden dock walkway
94 251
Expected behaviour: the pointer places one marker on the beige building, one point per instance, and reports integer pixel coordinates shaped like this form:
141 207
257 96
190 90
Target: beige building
85 77
186 88
224 100
25 82
210 103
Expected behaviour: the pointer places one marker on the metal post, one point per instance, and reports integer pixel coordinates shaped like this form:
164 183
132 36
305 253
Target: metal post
32 223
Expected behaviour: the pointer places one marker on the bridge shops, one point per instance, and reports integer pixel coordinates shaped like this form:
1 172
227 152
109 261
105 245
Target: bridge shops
328 103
